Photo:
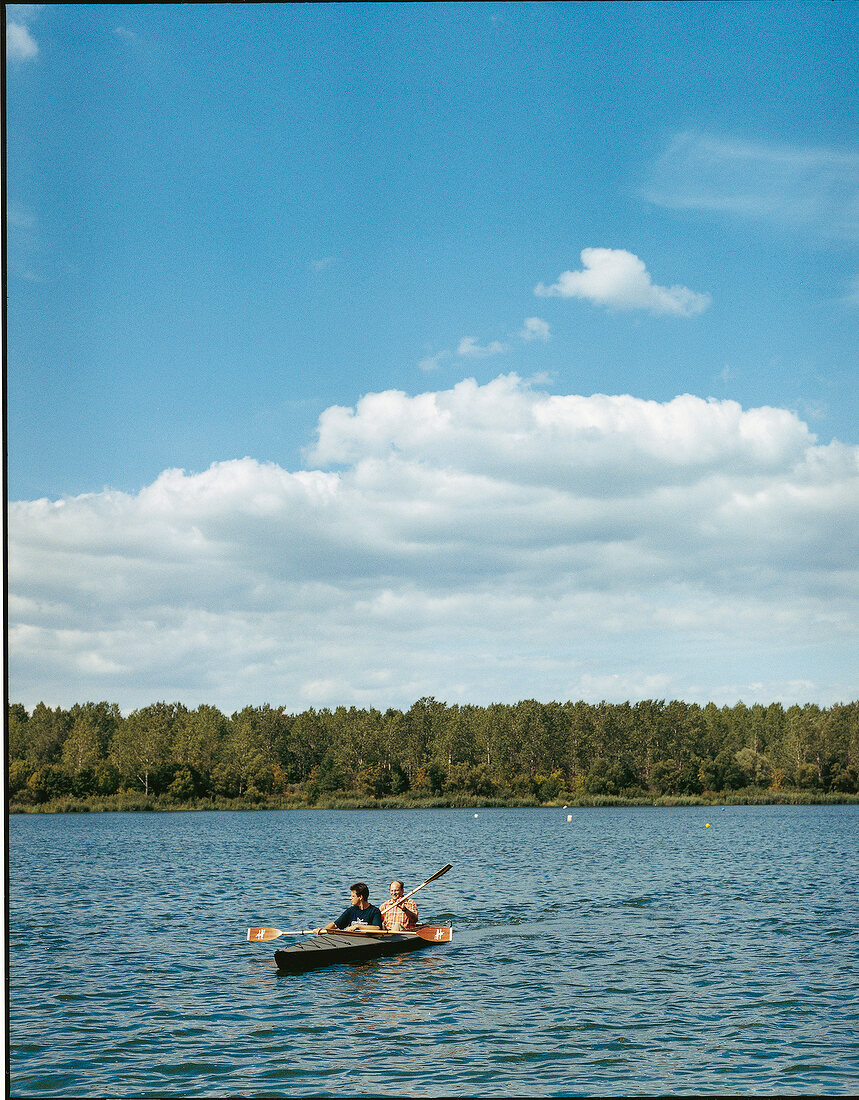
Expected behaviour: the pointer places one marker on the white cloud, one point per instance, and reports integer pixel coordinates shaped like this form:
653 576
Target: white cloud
470 349
477 543
815 188
617 279
19 217
535 329
20 44
433 362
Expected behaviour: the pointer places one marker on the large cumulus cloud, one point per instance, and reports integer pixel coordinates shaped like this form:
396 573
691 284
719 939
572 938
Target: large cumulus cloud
484 542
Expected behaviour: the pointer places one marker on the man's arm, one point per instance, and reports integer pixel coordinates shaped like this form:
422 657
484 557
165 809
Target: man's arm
410 913
408 906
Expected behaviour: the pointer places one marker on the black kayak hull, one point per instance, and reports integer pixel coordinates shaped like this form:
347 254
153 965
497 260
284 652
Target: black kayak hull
323 950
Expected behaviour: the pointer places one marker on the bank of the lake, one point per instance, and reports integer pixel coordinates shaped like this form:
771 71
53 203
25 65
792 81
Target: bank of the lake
135 802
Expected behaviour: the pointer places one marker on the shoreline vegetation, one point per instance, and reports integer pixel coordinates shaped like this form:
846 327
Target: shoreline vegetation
164 757
133 802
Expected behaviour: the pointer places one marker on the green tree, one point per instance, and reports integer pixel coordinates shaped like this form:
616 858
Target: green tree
452 740
305 746
610 776
141 744
373 780
799 740
548 787
578 726
198 740
324 778
17 732
730 772
250 750
49 781
183 786
755 765
105 778
532 736
93 728
46 731
19 772
663 776
424 721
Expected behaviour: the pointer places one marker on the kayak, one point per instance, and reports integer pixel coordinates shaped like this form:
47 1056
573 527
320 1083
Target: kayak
342 947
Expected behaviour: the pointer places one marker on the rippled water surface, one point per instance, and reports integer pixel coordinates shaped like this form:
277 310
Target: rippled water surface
624 952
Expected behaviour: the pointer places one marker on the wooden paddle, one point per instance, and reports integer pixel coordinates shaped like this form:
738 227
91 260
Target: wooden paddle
261 935
433 933
432 878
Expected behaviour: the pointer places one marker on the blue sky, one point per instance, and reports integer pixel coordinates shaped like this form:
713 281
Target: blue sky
227 222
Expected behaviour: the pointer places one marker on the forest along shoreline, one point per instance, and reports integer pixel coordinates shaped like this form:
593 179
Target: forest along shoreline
92 758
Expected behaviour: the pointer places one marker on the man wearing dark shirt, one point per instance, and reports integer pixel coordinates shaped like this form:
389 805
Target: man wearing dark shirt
359 912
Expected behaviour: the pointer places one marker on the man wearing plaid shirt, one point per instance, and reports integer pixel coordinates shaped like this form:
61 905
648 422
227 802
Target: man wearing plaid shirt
399 916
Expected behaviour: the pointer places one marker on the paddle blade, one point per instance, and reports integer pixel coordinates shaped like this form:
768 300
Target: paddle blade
435 933
262 935
432 878
438 874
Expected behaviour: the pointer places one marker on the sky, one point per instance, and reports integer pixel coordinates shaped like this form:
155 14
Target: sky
358 353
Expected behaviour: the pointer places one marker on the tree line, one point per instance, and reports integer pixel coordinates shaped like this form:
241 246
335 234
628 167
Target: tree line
542 751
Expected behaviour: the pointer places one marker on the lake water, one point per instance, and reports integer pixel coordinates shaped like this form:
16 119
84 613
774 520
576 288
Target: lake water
624 952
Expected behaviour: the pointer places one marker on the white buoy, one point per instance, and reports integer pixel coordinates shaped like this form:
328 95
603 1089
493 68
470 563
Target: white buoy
475 815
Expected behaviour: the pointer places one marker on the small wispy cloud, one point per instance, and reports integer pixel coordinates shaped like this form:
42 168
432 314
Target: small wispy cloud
470 349
851 298
325 262
432 362
20 44
617 279
795 186
535 329
25 256
814 409
19 217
